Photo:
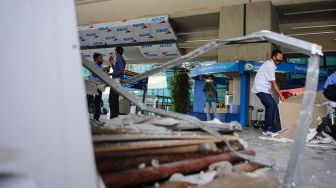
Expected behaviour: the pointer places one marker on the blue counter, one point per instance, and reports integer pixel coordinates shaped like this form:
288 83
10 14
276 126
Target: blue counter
224 117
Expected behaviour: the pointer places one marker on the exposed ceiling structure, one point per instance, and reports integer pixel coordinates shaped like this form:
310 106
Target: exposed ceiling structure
197 22
99 11
314 22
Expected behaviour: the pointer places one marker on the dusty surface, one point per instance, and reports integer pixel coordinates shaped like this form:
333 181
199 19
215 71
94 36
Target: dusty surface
318 168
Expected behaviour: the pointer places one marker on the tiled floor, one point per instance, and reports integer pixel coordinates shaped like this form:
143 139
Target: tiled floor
319 165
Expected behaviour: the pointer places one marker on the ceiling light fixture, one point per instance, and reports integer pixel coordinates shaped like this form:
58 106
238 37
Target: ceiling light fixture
316 33
309 12
314 26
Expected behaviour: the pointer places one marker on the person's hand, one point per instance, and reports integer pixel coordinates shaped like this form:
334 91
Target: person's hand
282 98
111 63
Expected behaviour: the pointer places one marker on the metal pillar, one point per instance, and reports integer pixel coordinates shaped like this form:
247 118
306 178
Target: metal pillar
303 124
244 94
199 96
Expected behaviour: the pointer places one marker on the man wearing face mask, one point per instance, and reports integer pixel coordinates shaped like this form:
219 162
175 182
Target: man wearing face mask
262 87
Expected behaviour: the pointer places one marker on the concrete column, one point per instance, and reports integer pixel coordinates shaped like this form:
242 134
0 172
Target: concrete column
239 20
231 24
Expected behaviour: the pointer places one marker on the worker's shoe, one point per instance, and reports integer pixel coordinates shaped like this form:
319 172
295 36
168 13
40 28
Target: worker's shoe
265 133
319 138
270 133
330 132
273 134
327 130
215 121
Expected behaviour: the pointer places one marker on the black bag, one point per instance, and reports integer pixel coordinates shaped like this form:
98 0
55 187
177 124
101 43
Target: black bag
210 91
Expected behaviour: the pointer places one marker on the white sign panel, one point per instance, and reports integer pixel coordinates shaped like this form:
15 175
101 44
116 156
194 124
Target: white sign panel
91 34
126 31
159 51
150 51
168 51
107 33
87 54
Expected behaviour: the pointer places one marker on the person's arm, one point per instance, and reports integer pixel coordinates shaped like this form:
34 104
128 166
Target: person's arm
118 68
106 69
277 90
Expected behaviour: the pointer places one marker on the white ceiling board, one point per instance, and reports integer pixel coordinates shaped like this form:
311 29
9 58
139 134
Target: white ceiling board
158 51
133 53
142 30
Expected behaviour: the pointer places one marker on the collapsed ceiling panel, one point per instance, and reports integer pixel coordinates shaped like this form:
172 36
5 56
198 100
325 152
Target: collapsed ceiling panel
158 51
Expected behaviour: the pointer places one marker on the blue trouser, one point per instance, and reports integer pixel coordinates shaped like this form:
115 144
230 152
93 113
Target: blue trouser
213 107
272 111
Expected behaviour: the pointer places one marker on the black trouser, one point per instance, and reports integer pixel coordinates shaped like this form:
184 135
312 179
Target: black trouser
114 104
330 92
96 100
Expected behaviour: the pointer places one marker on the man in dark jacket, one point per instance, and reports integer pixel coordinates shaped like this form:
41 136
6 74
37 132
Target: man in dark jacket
118 67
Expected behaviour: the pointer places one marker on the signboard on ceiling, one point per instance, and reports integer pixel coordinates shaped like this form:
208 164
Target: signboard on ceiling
150 29
89 35
160 51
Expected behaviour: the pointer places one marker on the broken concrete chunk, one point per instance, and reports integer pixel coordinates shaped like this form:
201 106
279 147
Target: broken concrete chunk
222 168
168 122
142 165
196 179
155 163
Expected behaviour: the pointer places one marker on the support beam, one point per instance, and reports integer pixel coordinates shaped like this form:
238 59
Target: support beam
244 94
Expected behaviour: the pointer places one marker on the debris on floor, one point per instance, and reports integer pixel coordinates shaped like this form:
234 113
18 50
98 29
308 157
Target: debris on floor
277 139
290 111
136 150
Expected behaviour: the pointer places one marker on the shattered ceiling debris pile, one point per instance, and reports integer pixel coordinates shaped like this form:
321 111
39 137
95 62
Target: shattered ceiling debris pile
133 151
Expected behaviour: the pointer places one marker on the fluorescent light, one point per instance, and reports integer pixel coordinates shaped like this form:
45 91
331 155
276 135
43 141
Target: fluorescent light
316 33
205 40
314 26
310 11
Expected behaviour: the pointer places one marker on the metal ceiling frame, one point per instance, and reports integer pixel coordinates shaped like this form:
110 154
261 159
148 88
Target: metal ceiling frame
310 49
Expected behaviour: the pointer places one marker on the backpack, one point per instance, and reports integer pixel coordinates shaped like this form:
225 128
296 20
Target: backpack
211 92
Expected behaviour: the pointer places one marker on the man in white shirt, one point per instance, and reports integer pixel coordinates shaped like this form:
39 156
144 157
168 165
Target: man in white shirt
262 87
